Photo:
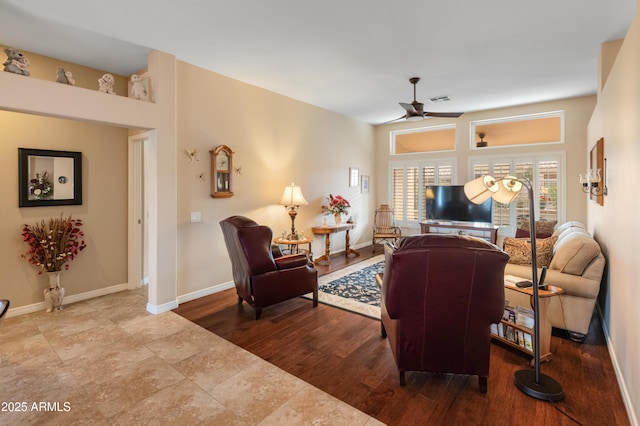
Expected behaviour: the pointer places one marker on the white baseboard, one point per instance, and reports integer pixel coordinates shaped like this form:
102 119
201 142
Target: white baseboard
154 309
205 292
188 297
633 417
158 309
41 306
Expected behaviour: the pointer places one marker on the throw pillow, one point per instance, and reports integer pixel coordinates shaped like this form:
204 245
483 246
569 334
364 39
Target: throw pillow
519 250
544 229
524 233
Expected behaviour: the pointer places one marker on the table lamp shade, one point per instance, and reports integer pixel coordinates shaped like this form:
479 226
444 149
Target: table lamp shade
292 196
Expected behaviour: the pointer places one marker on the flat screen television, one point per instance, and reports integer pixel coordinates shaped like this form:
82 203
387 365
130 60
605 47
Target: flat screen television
449 203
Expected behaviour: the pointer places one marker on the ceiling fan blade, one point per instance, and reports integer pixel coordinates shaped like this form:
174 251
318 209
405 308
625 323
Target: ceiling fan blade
395 119
443 114
409 107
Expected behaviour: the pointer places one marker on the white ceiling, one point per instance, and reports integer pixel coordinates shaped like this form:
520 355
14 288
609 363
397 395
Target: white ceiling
353 57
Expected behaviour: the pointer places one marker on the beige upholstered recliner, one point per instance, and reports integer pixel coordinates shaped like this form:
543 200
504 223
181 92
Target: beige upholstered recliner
384 227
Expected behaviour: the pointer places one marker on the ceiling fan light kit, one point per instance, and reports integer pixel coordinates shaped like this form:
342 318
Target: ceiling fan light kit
415 110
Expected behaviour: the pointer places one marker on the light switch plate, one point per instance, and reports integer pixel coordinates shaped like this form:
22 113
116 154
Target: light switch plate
196 217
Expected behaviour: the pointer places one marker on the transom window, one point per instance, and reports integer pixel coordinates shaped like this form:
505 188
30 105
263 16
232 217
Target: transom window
425 139
532 129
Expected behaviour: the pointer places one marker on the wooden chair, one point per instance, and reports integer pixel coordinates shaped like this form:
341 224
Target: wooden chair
384 227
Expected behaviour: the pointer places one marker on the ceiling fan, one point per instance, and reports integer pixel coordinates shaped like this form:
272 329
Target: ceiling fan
415 110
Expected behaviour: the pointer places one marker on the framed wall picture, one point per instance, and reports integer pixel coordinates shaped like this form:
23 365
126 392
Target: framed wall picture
49 178
364 184
354 176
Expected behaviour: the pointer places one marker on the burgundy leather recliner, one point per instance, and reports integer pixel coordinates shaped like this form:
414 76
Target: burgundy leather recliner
262 280
440 295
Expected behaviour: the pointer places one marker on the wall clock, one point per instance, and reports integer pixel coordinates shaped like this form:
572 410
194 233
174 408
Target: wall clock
221 166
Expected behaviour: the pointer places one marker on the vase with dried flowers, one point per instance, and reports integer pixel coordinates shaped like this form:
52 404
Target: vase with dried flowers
40 187
336 206
52 245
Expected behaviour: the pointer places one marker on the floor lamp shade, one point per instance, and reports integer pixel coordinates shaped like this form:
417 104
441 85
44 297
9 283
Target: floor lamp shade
481 189
508 189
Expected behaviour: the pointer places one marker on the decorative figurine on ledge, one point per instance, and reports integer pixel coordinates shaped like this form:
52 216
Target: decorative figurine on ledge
16 62
105 84
65 77
138 91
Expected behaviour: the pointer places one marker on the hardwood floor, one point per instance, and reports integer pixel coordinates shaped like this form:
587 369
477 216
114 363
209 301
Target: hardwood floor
343 354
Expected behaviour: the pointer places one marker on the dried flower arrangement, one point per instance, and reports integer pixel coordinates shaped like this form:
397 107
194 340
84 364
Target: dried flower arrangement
41 187
54 243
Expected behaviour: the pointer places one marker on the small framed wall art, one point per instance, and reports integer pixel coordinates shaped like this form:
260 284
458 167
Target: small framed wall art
354 176
49 178
364 184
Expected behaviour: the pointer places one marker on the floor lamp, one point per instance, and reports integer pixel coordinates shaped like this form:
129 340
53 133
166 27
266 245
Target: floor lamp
505 190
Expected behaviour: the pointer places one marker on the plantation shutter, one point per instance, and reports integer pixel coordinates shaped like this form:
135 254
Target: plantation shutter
548 188
523 169
445 175
412 194
398 192
501 212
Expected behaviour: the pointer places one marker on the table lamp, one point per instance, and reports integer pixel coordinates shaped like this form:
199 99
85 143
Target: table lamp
505 190
292 198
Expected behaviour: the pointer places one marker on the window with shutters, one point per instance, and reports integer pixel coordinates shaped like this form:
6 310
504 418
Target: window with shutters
543 171
409 183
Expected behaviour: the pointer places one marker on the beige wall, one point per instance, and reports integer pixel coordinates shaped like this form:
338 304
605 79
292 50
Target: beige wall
276 140
104 159
577 113
615 224
103 265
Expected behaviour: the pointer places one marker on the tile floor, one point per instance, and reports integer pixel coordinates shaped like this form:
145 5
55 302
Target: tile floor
107 361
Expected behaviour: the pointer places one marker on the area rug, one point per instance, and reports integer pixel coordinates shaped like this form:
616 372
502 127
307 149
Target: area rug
353 288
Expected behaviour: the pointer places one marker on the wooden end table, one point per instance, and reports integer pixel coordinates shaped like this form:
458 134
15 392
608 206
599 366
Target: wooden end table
544 298
294 245
332 229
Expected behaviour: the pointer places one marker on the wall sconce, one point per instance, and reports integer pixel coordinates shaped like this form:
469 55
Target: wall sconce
591 181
